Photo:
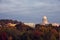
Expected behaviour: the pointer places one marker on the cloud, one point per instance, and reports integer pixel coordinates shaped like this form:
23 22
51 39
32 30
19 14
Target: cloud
27 5
29 9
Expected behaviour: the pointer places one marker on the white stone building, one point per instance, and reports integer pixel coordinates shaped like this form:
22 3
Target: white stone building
44 20
30 24
55 24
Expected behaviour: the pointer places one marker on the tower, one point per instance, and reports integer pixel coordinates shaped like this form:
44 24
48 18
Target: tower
44 20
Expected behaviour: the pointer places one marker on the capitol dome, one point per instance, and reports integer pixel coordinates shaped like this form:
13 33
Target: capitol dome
44 17
44 20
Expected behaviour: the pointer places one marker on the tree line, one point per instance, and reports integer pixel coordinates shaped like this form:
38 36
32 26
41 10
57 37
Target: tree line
24 32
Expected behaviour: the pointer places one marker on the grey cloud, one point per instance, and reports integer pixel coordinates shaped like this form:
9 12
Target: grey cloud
29 9
23 5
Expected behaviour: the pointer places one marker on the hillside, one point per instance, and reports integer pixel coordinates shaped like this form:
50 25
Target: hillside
20 31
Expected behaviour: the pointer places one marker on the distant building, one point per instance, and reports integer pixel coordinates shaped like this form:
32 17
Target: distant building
30 24
10 24
44 20
55 24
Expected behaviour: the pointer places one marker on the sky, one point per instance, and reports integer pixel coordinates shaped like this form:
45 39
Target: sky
30 10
